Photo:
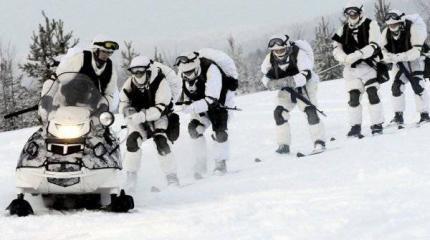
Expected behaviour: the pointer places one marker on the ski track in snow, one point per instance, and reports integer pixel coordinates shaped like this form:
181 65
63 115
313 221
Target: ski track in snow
373 188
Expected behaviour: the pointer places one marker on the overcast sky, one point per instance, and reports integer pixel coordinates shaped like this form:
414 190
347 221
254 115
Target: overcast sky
154 22
169 24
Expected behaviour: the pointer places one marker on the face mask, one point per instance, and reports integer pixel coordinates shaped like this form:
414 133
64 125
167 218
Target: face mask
140 78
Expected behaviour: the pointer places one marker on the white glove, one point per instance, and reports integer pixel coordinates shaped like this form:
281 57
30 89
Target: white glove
137 118
265 80
188 109
196 107
178 108
299 80
353 57
389 57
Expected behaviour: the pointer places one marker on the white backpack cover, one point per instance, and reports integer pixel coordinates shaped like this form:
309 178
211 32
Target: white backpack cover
225 62
306 47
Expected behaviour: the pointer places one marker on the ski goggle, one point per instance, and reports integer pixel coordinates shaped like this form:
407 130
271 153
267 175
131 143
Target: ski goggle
393 16
139 70
352 12
110 45
184 59
278 41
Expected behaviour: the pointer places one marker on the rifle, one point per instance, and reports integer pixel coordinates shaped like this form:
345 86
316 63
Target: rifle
219 105
17 113
302 98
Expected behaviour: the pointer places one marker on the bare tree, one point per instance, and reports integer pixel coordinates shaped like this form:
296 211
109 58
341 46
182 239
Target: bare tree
381 9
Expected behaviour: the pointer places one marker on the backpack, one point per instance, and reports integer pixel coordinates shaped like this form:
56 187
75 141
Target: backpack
421 28
307 49
225 63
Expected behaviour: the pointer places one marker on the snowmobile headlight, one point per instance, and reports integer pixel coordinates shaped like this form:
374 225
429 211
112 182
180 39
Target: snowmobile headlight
69 131
106 119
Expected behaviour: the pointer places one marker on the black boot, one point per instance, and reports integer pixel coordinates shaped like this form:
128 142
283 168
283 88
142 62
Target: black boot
319 146
355 131
122 203
20 207
398 119
376 129
283 149
424 118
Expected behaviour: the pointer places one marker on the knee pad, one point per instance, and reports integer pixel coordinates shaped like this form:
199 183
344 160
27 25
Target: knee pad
354 98
396 88
279 119
173 127
372 94
131 144
312 115
416 86
192 128
220 136
163 147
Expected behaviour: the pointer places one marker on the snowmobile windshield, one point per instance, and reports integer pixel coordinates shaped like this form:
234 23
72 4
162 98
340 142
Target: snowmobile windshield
74 90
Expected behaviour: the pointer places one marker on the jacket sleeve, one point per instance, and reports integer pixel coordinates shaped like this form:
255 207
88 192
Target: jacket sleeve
418 37
111 92
124 103
374 41
304 64
175 82
163 97
338 52
212 92
266 66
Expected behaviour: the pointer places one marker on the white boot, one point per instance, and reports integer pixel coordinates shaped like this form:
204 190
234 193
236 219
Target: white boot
131 182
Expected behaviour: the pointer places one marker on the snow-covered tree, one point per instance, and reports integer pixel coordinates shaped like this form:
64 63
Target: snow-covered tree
49 41
424 8
381 9
13 96
323 51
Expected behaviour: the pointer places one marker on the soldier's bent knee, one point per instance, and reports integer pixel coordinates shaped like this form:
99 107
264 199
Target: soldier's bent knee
132 145
192 128
312 115
354 98
372 93
279 119
163 147
220 136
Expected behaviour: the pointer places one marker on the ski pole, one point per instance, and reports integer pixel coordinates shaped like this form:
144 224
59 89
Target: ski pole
330 68
17 113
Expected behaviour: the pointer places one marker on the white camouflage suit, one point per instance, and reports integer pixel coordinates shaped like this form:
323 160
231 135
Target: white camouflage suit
360 78
155 122
411 58
200 121
285 102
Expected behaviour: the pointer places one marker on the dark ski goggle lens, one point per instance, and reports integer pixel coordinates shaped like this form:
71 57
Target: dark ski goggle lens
108 45
393 16
276 41
138 70
351 12
184 59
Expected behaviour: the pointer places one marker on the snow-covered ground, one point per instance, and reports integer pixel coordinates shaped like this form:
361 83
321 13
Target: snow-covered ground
374 188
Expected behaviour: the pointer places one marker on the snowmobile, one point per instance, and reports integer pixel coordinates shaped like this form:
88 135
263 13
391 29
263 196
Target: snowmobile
73 160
